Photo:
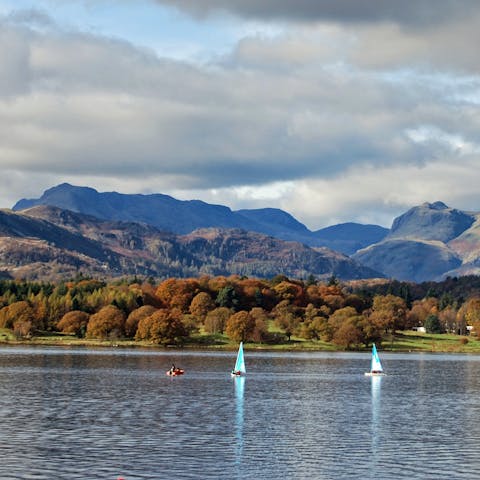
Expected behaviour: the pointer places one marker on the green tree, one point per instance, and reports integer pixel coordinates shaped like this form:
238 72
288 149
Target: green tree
227 297
432 324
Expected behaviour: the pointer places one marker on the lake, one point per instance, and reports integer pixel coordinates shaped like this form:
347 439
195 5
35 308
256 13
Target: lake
80 413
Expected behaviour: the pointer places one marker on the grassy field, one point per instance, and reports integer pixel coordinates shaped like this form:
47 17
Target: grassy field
407 341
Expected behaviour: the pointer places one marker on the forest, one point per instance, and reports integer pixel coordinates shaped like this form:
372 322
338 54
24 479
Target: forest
170 312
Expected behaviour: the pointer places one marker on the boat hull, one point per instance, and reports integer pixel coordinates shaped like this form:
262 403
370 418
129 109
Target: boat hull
175 373
375 374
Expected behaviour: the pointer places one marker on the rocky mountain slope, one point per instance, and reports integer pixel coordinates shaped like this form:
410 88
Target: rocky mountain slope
429 242
46 242
181 217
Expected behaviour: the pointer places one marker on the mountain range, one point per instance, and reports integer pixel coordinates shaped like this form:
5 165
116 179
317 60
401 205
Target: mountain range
178 216
49 243
72 228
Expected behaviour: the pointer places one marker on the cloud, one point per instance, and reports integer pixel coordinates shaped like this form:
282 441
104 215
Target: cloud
328 123
415 13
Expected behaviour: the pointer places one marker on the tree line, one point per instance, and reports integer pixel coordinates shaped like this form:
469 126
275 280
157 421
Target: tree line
348 314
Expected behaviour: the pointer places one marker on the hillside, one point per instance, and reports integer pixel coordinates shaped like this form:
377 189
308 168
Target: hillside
46 242
428 242
181 217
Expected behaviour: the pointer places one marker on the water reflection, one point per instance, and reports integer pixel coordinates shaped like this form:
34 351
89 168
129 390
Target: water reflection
239 383
82 413
376 388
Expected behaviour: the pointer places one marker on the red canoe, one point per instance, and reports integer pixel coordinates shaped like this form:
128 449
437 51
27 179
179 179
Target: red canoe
177 371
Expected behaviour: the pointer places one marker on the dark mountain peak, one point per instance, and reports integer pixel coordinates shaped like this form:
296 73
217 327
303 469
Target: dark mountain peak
183 216
273 216
437 205
350 237
431 221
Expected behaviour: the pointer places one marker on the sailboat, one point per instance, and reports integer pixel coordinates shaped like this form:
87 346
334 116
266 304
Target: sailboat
239 368
376 368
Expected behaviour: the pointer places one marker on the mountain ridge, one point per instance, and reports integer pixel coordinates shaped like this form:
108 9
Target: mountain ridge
427 242
46 242
185 216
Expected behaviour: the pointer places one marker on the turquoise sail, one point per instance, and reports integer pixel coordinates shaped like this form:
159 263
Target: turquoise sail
240 363
376 364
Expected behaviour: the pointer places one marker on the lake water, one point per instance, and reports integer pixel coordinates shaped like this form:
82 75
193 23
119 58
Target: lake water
100 414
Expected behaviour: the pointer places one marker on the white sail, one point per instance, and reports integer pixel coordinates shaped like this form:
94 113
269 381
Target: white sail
376 366
240 363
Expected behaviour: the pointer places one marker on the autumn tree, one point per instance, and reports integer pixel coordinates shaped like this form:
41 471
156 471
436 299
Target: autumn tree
201 304
134 318
471 313
162 327
315 324
22 328
340 317
285 318
260 332
291 292
216 320
349 333
177 293
74 323
20 312
240 326
420 310
109 322
389 312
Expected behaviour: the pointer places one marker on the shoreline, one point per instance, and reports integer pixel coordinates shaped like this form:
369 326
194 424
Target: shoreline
406 342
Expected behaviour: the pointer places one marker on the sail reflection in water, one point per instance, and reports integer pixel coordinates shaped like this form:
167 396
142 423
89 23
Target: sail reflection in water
376 412
239 389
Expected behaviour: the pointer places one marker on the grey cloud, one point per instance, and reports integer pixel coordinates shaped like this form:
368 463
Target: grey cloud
31 17
93 106
405 12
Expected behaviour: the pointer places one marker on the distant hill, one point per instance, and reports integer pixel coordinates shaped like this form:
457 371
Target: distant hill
46 243
428 242
181 217
350 237
412 260
431 221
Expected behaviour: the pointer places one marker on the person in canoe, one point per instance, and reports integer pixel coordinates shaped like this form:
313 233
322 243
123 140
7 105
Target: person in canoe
175 371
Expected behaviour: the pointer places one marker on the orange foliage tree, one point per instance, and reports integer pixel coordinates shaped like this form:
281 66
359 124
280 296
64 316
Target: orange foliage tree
201 304
162 327
240 326
134 318
389 312
177 293
109 322
20 312
74 323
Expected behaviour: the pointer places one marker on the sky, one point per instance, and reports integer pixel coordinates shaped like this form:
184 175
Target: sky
333 110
